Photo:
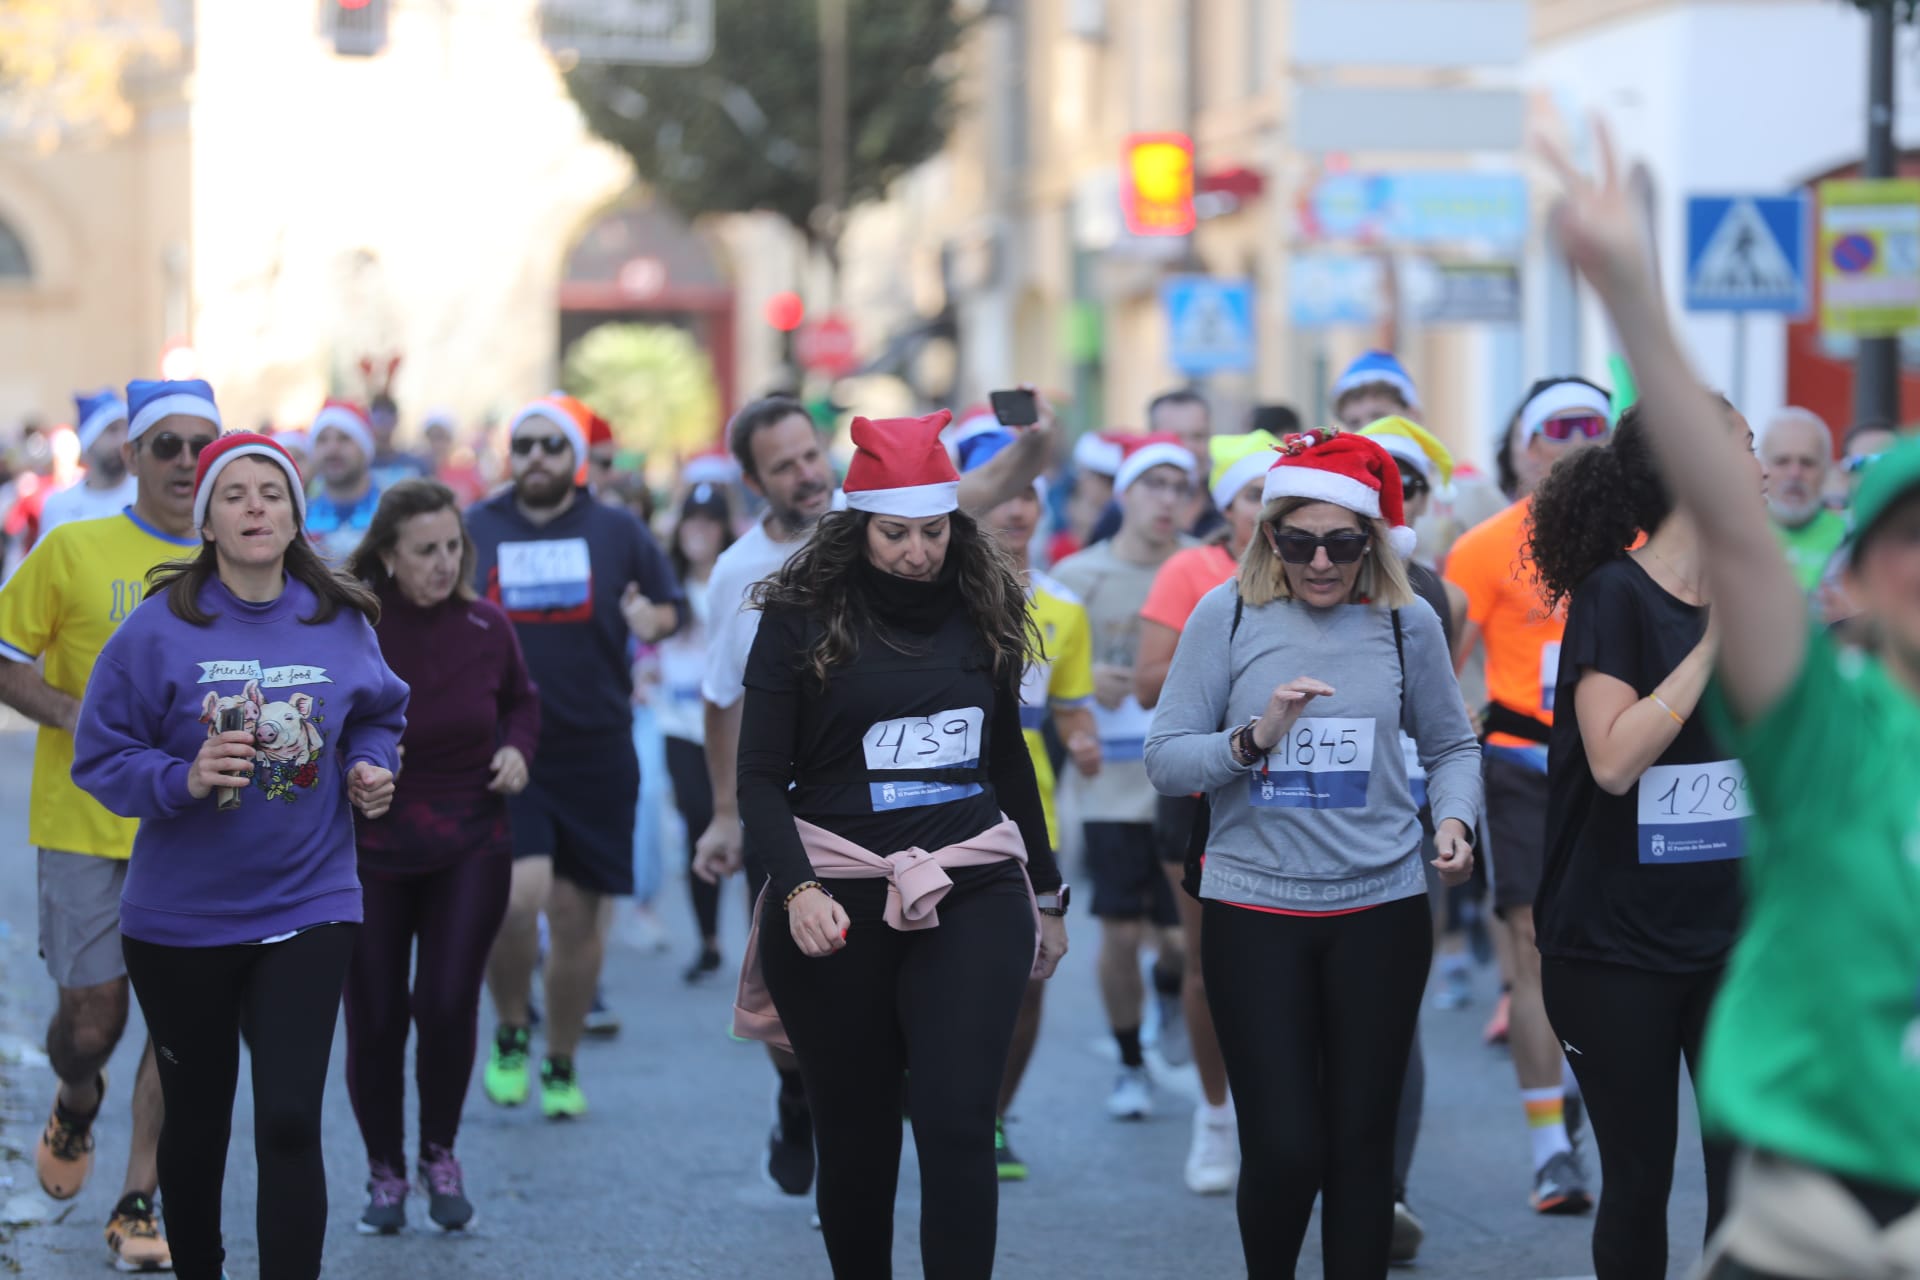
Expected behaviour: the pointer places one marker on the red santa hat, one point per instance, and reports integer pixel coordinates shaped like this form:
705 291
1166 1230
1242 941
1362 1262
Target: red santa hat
1347 470
1144 453
713 466
349 419
242 444
901 468
560 410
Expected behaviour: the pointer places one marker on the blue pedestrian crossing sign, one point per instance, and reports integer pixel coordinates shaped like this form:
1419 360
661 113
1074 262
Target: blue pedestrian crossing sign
1748 253
1209 324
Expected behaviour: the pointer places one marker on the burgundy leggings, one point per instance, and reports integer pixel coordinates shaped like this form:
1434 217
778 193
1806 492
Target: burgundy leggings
454 914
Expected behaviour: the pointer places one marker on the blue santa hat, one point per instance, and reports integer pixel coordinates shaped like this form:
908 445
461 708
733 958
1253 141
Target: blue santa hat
150 401
1373 367
982 444
94 412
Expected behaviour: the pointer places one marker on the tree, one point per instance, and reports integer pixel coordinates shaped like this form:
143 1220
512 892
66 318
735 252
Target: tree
742 131
652 383
63 62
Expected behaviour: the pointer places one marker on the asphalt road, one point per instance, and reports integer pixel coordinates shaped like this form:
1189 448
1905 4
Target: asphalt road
663 1178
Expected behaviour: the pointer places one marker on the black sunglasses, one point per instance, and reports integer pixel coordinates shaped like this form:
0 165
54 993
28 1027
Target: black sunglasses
166 446
554 445
1295 547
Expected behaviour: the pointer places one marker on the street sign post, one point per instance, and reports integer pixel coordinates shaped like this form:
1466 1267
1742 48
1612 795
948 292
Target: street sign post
1209 324
1748 254
1870 256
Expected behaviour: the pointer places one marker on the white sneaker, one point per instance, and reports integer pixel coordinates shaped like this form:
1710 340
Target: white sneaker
1213 1162
1132 1096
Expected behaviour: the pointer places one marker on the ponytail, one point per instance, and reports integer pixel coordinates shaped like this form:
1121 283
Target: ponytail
1592 506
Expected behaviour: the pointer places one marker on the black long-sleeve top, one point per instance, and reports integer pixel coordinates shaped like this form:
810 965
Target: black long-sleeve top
911 744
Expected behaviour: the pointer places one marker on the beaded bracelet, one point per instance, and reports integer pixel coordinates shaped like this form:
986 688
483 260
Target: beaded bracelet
801 888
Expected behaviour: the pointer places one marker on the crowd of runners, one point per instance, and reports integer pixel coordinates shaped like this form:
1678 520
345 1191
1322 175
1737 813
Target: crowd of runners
1306 714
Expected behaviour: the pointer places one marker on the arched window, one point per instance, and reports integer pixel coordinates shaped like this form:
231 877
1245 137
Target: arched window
14 262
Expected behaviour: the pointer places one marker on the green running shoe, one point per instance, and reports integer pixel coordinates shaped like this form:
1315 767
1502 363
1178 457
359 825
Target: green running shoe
560 1096
1012 1167
506 1079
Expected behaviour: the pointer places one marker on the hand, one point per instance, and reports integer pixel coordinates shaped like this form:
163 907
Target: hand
1596 223
1053 945
509 772
1045 419
1284 708
370 788
1455 863
1112 684
225 760
1085 749
818 923
716 854
638 611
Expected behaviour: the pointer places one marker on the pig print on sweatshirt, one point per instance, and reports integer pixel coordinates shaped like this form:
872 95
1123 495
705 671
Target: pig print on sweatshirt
288 727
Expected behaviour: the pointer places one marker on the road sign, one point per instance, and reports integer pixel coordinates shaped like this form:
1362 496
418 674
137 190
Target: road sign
1209 324
662 33
827 346
1418 208
1870 256
1460 292
1327 290
1748 253
1338 117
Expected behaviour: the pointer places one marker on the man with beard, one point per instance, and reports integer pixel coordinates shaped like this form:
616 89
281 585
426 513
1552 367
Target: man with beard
579 579
340 512
100 422
783 459
1797 449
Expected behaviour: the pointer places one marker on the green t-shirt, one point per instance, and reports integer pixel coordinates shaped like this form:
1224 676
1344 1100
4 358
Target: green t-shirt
1813 1050
1812 545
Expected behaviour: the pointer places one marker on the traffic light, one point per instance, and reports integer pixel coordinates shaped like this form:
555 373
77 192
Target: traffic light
1156 190
785 311
358 28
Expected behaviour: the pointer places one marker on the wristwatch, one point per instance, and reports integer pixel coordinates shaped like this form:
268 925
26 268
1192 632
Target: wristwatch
1055 903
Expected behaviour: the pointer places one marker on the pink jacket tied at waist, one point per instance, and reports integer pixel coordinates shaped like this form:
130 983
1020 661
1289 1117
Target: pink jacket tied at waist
917 881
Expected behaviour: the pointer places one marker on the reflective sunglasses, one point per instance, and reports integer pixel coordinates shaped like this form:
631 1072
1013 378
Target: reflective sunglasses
554 446
1296 547
1591 425
1854 463
166 446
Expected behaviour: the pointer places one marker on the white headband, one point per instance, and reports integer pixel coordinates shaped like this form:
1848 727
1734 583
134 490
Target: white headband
1558 399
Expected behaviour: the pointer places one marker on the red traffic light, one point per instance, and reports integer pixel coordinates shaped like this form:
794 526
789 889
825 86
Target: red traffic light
785 311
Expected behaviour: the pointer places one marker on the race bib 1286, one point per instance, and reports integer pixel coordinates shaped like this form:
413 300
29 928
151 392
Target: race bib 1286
1322 763
1694 812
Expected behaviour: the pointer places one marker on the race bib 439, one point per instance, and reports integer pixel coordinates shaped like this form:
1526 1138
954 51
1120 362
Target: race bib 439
945 740
1322 763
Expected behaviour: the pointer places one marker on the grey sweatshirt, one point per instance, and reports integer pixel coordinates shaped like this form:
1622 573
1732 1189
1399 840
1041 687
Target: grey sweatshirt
1330 823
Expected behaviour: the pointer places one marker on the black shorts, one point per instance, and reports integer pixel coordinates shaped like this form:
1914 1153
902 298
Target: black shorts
1516 852
579 809
1123 862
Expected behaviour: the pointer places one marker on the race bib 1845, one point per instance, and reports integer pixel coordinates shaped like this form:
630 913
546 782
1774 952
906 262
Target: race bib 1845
1693 812
944 740
1322 763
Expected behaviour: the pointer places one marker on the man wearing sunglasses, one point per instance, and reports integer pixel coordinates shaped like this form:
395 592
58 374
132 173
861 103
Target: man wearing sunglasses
76 587
1522 637
580 579
1797 450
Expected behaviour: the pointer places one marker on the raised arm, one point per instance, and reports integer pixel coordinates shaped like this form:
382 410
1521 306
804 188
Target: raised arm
1007 474
1762 613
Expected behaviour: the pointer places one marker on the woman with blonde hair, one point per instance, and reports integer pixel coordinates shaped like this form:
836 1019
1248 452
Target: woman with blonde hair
1317 938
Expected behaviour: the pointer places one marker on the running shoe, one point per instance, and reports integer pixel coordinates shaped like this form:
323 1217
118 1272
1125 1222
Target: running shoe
1408 1232
134 1236
1175 1048
1213 1161
1560 1186
560 1095
386 1211
790 1146
1456 990
447 1202
65 1157
1012 1168
602 1022
1132 1096
505 1078
1496 1032
707 965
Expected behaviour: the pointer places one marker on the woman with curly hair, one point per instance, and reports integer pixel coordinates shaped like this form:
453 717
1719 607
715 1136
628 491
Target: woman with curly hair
1640 898
883 705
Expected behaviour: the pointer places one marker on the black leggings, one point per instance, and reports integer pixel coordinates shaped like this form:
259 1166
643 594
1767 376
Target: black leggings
930 1013
196 999
1626 1032
693 797
454 914
1316 1017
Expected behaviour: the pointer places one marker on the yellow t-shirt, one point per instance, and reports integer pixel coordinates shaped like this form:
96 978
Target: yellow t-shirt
1063 678
77 585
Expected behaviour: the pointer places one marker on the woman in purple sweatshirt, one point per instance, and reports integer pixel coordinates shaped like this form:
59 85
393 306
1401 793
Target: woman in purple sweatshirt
438 867
241 713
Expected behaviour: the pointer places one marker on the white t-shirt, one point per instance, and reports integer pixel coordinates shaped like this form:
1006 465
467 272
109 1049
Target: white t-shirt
83 502
731 625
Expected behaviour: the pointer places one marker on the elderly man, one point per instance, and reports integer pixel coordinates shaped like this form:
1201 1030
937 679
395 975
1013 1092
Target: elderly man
1797 449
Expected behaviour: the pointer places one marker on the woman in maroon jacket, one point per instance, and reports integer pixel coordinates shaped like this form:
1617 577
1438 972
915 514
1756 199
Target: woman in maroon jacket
437 867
